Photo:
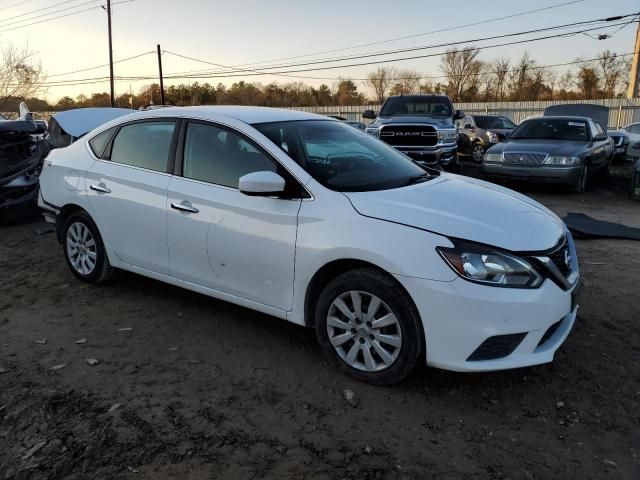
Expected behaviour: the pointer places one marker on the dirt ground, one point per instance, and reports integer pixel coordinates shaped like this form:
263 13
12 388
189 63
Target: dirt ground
187 386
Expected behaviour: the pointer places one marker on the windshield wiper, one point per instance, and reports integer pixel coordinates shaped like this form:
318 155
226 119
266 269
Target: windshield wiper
423 177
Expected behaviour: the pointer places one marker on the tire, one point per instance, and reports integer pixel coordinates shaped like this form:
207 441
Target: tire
381 356
477 152
84 250
582 183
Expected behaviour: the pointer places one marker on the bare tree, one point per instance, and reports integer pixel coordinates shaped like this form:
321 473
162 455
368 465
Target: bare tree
612 69
380 81
21 74
500 72
462 71
588 82
406 82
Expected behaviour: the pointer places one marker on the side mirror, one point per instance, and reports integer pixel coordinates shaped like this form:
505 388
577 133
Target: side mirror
459 115
261 184
369 115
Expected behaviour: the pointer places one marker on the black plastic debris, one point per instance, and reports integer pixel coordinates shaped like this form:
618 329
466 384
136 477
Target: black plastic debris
585 227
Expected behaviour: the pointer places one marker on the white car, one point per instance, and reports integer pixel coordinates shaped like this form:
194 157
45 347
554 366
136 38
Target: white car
311 220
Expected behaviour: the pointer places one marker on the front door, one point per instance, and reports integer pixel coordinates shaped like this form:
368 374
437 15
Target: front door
220 238
127 193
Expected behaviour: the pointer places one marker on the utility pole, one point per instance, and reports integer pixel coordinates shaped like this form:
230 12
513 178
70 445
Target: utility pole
161 79
113 95
634 79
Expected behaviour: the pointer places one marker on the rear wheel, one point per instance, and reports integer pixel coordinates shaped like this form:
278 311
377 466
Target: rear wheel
477 152
84 250
369 327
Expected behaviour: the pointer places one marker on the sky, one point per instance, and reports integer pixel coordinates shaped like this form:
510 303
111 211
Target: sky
247 31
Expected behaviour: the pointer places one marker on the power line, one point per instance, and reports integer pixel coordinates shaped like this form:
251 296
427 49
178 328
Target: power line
14 5
397 51
39 10
97 80
447 29
100 66
415 57
58 17
80 81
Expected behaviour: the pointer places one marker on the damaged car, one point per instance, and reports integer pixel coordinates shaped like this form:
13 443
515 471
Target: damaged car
23 147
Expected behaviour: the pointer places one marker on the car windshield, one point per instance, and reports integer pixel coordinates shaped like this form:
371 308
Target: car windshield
552 129
341 157
487 122
431 106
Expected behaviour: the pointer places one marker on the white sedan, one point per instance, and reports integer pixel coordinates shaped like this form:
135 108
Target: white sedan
310 220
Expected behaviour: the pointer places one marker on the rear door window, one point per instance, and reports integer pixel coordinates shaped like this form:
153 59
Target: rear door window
144 145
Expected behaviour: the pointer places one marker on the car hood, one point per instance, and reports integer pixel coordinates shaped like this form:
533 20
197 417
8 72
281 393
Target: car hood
468 209
552 147
446 122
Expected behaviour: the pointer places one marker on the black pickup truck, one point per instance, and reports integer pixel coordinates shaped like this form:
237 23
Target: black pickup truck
420 126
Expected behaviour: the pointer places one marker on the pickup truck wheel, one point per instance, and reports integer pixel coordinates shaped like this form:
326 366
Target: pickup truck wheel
84 250
368 327
582 183
477 152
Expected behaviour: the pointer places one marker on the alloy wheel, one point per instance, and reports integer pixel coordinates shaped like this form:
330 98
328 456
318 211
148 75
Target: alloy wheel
477 153
364 331
81 248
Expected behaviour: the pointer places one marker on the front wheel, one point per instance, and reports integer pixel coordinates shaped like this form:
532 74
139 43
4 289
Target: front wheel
84 250
582 183
477 152
368 327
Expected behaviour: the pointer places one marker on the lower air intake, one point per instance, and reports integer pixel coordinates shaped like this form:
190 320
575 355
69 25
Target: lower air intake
498 346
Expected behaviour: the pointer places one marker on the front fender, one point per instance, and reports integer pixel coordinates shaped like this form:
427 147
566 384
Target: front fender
346 235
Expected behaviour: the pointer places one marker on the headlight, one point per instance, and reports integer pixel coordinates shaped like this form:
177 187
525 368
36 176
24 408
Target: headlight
373 131
481 264
447 136
493 137
493 157
562 161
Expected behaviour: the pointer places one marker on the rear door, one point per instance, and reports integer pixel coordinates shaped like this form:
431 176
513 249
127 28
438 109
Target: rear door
127 190
220 238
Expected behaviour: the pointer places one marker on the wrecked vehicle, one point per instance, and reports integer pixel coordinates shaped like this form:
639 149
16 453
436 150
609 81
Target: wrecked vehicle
23 147
68 126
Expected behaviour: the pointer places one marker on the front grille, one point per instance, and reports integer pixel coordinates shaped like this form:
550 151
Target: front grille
559 258
498 346
408 135
524 158
549 333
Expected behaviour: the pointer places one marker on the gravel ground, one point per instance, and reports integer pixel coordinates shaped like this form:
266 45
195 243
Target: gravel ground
185 385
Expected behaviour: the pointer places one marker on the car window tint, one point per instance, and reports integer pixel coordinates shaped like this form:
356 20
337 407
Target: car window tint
145 145
214 155
634 128
599 129
100 142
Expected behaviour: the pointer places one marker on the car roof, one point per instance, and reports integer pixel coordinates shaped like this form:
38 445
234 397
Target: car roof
562 117
250 115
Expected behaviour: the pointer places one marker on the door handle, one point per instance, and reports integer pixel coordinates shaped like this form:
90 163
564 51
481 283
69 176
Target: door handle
184 208
100 188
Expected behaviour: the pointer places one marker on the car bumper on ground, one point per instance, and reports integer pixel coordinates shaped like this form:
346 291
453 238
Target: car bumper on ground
443 155
470 327
565 175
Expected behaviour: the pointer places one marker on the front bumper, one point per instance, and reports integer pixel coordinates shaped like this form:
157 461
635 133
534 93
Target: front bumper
538 173
443 155
460 316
